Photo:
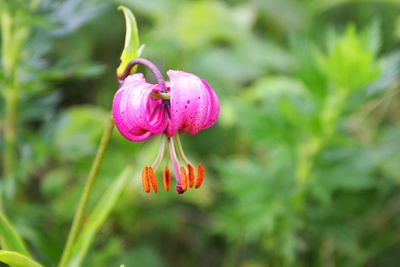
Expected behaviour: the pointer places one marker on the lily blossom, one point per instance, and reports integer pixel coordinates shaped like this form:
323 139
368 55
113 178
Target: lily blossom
184 104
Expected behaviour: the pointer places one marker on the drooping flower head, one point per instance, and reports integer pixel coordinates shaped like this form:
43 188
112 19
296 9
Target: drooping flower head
184 104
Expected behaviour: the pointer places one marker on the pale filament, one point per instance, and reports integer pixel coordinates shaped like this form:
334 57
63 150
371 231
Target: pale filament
160 155
180 150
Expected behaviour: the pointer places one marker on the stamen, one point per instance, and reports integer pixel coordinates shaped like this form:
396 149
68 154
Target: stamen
160 155
185 159
200 176
191 175
145 180
180 150
184 179
153 180
167 178
169 153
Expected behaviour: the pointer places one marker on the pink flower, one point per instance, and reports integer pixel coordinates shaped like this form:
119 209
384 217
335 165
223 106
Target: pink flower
185 104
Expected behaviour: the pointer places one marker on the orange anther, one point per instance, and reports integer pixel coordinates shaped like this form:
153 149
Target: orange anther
200 176
184 179
167 178
191 175
145 180
152 179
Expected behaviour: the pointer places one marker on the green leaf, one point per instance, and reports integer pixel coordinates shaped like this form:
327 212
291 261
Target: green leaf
371 36
351 64
98 216
15 259
131 47
10 240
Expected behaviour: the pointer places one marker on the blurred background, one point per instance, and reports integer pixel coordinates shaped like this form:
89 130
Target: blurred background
302 167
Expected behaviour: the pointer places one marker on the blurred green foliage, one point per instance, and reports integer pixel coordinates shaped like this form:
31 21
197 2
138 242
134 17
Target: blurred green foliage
302 168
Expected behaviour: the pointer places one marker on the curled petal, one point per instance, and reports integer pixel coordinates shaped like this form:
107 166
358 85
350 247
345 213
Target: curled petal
128 128
148 112
193 104
137 115
213 110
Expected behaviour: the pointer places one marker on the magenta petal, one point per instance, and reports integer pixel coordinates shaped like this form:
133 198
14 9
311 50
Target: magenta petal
137 115
213 111
193 106
193 103
129 129
148 112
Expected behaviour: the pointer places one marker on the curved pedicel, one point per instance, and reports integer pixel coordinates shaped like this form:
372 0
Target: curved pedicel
141 61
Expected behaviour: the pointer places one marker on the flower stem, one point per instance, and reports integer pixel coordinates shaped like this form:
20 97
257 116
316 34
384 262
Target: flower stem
85 195
141 61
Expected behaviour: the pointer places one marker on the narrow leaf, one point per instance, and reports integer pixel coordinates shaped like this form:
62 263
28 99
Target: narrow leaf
131 47
15 259
98 216
10 240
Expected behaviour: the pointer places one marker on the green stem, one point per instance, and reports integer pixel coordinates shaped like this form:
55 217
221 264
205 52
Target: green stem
9 93
85 195
14 36
307 151
9 133
10 144
305 155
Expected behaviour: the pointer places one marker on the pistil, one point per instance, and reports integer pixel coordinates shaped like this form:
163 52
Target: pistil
175 165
